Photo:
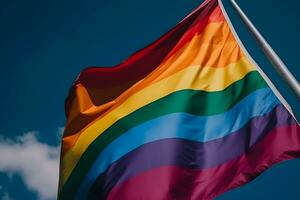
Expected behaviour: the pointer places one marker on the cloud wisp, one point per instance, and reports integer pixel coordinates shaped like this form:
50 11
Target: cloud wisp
37 163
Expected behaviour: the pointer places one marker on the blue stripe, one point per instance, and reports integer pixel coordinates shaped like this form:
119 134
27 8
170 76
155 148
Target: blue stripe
181 125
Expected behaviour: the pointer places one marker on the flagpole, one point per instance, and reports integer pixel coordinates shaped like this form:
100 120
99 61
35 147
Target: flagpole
277 63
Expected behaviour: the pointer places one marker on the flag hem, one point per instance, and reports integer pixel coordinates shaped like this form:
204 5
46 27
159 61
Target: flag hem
260 71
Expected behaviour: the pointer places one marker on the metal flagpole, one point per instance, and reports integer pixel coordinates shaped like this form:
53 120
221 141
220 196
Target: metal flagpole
269 52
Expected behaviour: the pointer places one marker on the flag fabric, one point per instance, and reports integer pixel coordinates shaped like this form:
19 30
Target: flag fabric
190 116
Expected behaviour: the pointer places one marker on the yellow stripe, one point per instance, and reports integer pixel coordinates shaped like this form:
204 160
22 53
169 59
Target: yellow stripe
214 47
194 77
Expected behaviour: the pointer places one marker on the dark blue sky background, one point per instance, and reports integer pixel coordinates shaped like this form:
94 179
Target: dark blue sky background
45 44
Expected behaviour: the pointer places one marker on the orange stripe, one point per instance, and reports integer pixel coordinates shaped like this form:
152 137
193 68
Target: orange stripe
101 95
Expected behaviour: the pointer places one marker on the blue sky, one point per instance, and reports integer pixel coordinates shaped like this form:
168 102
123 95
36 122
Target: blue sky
45 44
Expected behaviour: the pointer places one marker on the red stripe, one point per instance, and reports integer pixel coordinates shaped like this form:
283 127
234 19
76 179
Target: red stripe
146 60
173 182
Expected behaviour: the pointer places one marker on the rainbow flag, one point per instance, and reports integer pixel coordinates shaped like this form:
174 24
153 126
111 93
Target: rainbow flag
190 116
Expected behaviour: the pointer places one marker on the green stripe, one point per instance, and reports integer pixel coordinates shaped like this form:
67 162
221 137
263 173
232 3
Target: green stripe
190 101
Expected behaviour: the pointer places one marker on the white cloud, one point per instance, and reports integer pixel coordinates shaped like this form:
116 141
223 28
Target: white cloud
37 163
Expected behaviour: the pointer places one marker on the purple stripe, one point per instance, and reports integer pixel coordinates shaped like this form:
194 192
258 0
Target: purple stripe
187 153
